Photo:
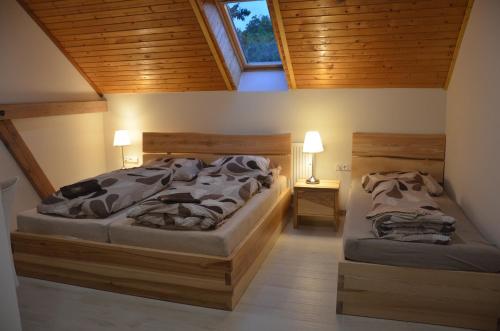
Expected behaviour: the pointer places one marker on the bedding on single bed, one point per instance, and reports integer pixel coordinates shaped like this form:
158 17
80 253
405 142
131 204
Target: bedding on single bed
106 194
403 209
467 250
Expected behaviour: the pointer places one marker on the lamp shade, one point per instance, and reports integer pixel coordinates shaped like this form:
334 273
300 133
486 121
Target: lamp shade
122 138
312 142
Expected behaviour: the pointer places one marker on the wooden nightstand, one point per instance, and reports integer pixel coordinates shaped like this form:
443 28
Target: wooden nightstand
316 200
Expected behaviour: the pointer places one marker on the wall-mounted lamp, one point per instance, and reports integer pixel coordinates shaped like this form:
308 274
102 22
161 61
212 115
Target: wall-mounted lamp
313 145
122 138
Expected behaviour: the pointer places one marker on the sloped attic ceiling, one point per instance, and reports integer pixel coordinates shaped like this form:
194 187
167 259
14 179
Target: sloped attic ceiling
372 43
163 45
131 45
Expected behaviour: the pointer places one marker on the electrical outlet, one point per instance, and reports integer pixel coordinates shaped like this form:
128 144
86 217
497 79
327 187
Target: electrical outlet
131 159
343 167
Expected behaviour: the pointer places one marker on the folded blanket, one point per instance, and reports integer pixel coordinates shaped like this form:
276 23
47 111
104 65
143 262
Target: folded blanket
403 210
106 194
203 204
435 229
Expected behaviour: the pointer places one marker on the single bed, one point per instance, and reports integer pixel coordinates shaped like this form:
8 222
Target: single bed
468 250
456 285
111 254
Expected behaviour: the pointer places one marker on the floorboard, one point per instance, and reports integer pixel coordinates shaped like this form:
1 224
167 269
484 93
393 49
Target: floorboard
294 290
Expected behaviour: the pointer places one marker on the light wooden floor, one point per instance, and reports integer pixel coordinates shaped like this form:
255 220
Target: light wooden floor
294 290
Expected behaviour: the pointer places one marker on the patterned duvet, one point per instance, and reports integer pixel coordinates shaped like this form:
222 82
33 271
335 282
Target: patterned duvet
403 209
219 190
112 192
207 196
200 205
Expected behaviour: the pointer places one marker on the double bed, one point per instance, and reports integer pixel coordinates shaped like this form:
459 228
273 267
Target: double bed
456 284
206 268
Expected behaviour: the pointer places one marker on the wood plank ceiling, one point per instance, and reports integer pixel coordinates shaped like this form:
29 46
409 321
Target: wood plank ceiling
131 45
159 45
372 43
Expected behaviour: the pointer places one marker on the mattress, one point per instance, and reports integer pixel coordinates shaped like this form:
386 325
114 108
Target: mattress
87 228
95 229
31 221
468 251
219 242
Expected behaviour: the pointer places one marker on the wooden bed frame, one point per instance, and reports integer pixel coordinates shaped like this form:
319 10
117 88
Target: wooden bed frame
209 281
444 297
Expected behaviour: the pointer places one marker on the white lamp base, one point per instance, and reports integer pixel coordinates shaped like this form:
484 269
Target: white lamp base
312 180
123 159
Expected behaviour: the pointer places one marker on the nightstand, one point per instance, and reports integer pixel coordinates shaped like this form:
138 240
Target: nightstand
316 200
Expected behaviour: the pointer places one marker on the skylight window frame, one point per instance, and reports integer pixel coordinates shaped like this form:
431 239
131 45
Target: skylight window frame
228 23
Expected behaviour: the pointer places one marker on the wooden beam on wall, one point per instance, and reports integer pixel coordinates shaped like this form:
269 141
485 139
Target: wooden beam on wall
281 36
27 110
202 21
26 161
470 3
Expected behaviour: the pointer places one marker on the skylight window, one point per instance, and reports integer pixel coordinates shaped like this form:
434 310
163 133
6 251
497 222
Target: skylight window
252 33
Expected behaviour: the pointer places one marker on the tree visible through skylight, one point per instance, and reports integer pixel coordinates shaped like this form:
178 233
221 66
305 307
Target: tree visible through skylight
254 31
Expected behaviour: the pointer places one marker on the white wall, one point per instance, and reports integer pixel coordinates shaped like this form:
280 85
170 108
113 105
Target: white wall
335 113
32 69
473 121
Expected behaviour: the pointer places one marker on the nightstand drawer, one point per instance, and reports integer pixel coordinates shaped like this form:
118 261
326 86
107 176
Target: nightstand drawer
315 203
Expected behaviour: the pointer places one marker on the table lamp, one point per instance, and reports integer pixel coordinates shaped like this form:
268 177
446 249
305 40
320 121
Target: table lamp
122 138
313 145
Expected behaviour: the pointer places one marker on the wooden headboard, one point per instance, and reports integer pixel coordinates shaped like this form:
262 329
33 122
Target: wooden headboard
393 151
209 147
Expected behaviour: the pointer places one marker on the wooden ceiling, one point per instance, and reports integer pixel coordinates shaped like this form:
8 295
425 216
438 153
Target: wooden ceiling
131 45
165 45
371 43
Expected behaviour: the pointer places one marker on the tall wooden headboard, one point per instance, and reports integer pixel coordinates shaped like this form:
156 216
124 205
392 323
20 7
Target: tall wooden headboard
209 147
393 151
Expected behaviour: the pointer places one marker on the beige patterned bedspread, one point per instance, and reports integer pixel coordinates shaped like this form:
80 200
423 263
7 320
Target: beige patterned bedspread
403 209
203 204
113 191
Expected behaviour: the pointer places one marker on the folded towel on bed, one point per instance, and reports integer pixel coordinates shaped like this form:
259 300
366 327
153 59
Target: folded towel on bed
403 209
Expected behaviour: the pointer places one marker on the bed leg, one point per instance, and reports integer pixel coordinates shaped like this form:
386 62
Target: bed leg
340 287
340 307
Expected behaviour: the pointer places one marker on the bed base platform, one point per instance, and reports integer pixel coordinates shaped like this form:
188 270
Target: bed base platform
453 298
202 280
444 297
